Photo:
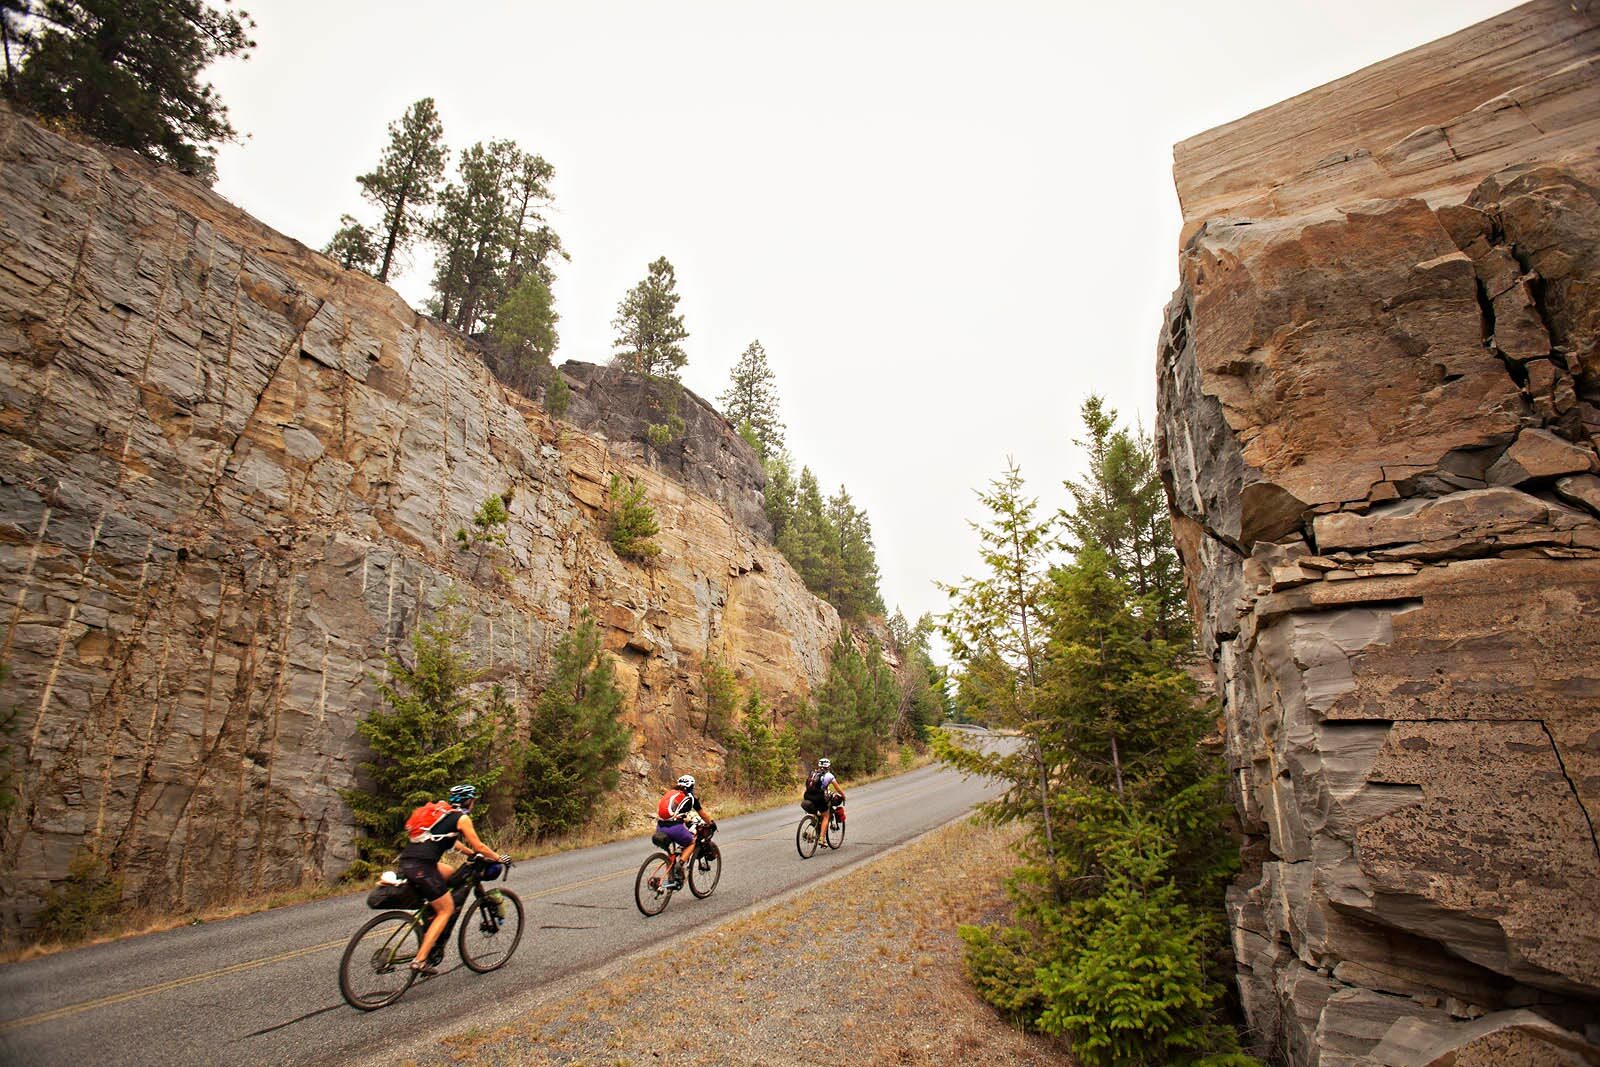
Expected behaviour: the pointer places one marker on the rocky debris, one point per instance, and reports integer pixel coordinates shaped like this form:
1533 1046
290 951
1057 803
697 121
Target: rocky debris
1379 409
231 477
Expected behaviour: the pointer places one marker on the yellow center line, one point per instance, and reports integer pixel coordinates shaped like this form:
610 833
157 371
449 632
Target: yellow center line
162 987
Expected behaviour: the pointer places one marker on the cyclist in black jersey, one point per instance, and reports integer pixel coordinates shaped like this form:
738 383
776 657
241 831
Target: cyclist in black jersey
419 864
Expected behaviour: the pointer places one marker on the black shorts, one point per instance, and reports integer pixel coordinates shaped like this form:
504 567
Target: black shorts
424 876
813 806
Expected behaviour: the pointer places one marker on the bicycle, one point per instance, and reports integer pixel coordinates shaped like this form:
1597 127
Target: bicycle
808 833
652 887
376 968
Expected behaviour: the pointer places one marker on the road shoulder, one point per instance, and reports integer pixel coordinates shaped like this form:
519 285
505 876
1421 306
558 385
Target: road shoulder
862 968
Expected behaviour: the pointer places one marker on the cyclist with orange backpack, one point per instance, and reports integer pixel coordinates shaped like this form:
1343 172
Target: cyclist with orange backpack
676 815
432 830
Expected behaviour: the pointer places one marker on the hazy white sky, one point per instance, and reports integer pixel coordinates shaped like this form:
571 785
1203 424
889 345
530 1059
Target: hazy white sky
946 222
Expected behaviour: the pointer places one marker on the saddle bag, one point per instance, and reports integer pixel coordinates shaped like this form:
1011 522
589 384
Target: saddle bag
389 894
661 840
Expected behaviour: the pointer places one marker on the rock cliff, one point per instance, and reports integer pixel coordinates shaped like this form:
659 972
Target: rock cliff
1379 411
230 478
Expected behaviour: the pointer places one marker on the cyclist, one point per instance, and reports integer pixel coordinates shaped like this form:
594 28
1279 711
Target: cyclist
816 801
419 864
676 815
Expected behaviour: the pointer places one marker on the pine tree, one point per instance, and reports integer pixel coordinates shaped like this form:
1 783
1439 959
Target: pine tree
752 400
473 232
436 729
575 740
760 759
721 699
853 711
633 520
533 242
352 246
14 38
649 329
127 72
778 497
524 332
406 180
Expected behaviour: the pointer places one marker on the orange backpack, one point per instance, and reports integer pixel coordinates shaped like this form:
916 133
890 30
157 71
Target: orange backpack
423 819
668 808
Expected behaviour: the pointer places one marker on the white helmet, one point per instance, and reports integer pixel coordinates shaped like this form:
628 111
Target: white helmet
686 783
823 764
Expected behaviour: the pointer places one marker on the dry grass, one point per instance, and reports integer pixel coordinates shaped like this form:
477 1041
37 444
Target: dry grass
865 969
615 823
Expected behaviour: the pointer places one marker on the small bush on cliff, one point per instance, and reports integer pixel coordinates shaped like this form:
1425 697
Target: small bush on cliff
84 903
574 742
437 727
557 394
633 520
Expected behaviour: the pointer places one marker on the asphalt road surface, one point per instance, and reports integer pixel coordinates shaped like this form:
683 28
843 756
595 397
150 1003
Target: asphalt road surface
263 989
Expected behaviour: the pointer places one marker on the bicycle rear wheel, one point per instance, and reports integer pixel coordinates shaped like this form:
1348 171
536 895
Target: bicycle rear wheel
805 837
376 968
705 870
487 940
650 890
835 831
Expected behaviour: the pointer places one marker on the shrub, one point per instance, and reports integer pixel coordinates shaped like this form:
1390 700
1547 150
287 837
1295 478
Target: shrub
557 395
633 520
84 903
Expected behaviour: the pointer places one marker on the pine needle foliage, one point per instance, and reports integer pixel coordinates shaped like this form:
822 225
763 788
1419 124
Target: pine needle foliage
405 181
127 72
1118 897
721 699
575 741
854 710
650 331
437 726
633 520
751 401
761 759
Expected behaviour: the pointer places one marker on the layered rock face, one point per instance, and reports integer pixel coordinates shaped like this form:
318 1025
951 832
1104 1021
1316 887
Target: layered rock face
1379 421
231 477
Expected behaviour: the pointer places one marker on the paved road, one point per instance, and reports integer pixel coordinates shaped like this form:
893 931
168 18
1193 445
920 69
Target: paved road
263 989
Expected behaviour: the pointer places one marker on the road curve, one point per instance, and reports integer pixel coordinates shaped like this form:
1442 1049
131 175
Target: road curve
263 989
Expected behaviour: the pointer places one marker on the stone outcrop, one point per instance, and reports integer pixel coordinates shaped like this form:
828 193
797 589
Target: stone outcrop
231 476
1379 423
709 458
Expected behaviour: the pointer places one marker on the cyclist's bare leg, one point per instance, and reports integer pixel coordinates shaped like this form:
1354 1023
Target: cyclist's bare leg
822 827
443 908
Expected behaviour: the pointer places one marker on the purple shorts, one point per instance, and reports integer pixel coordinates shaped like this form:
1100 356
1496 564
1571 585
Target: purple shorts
679 833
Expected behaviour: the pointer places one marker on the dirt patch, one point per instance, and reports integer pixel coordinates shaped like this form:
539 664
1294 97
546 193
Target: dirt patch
865 969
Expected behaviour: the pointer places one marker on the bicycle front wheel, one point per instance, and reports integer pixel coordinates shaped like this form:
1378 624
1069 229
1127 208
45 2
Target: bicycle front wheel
835 831
488 939
705 870
805 837
376 968
650 890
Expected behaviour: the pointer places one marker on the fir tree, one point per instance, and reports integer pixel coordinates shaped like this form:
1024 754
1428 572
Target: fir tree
778 497
557 394
649 329
436 728
752 401
406 180
127 72
352 246
575 740
853 711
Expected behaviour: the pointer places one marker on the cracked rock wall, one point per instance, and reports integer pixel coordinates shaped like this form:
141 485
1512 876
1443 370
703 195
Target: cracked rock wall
1379 425
230 478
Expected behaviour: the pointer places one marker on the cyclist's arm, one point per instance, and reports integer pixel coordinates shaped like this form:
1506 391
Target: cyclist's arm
470 836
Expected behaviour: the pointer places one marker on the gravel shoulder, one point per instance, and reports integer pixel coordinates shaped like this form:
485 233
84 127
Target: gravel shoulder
864 968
